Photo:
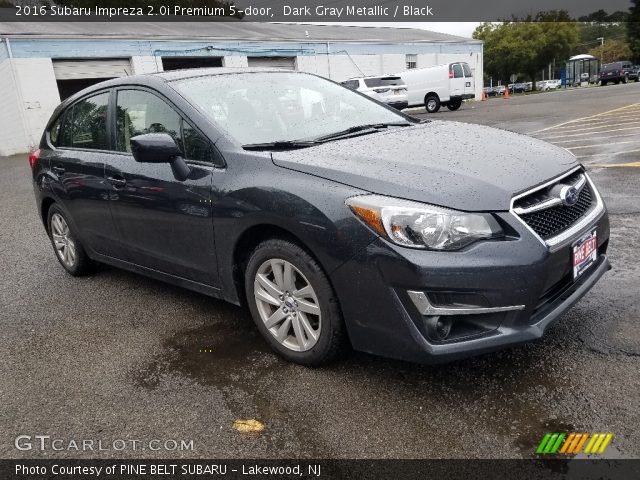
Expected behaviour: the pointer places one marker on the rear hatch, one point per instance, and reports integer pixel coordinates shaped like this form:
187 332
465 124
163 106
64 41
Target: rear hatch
387 87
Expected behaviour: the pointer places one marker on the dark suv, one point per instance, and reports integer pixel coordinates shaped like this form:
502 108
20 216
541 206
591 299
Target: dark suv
615 72
336 219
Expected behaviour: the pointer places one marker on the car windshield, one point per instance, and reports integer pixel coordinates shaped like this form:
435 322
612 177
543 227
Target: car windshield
266 107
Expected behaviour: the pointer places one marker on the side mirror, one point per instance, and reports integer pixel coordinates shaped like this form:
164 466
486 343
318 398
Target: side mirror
154 148
160 148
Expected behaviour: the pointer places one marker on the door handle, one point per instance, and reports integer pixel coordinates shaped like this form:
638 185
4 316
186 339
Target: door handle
58 169
117 181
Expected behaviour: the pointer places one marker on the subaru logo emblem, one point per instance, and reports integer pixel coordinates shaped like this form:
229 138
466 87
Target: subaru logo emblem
569 195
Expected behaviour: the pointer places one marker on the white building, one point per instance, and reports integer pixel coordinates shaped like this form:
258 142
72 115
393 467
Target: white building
40 64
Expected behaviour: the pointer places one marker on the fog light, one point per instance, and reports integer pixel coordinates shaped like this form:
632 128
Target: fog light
439 328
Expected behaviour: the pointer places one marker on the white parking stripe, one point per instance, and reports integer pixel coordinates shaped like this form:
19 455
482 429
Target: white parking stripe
608 154
598 138
588 133
602 145
609 112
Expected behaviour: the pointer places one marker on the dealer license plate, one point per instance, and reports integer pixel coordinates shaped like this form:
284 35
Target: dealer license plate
585 254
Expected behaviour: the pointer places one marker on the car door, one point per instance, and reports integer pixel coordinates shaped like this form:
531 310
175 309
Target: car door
165 223
76 160
456 75
469 83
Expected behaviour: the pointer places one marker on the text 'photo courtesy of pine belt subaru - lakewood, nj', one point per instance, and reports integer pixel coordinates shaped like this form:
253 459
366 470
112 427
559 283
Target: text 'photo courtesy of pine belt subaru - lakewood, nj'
337 220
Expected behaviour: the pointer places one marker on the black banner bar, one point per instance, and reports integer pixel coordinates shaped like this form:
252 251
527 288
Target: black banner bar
66 469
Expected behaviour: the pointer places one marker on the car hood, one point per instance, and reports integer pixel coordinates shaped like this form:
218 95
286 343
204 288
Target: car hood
450 164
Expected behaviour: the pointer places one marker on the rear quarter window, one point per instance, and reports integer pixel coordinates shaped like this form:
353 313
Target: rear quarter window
54 131
89 123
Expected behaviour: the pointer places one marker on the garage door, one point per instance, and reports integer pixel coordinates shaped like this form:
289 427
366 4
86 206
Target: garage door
288 63
82 69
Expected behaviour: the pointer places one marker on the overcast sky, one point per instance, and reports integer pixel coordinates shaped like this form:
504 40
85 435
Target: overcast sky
463 29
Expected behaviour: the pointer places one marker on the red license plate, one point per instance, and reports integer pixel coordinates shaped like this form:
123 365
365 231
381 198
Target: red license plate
585 254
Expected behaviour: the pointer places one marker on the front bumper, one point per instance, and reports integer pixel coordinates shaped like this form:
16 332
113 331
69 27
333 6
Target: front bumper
383 319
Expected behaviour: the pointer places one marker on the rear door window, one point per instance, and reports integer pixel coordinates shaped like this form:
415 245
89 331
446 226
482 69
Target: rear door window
89 123
457 70
467 70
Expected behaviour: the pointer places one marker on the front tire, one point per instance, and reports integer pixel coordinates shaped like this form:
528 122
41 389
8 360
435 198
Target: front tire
293 304
66 244
432 103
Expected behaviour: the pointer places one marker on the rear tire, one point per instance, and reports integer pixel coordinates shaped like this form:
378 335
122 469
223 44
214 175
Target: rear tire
432 103
66 244
602 83
293 304
454 105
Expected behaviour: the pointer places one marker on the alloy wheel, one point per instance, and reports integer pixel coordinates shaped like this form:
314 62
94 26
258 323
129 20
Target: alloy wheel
62 241
288 305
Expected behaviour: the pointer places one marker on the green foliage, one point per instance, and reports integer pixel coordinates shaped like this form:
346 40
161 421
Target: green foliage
527 47
633 30
612 51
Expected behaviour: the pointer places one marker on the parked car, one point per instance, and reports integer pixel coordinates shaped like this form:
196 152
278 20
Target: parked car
340 221
389 89
547 85
441 85
519 88
634 73
490 91
615 72
500 89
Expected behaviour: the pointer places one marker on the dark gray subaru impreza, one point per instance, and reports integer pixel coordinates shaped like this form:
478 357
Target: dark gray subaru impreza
337 220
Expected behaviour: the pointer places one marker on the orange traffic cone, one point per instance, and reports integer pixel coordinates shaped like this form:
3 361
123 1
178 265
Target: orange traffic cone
506 93
484 95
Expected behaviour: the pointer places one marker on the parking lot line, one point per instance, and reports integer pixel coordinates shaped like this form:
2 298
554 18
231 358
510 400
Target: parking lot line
605 137
618 165
581 127
602 144
608 112
607 154
588 133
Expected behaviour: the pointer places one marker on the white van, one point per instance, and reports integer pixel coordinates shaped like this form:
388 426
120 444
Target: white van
440 85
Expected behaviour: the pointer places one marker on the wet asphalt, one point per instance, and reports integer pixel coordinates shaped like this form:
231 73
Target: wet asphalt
116 356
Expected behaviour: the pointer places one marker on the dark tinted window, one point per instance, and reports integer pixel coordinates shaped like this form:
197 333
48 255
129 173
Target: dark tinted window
382 81
139 112
89 123
351 84
467 70
457 70
196 146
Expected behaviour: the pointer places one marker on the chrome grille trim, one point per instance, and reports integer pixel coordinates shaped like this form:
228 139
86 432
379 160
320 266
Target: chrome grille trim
551 202
558 241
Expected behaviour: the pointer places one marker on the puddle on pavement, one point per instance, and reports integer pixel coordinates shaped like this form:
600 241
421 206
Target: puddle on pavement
232 357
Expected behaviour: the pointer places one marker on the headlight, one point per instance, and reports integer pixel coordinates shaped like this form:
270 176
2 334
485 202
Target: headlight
418 225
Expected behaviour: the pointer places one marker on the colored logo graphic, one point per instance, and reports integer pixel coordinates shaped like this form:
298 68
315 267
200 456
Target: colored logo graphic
573 443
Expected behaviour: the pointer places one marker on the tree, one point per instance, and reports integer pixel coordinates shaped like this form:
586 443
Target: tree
527 47
633 30
611 51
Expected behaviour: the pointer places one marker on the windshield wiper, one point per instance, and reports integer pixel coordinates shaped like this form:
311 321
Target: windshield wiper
280 145
373 127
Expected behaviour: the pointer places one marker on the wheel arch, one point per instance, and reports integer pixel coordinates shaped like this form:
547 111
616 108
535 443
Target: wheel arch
45 206
247 242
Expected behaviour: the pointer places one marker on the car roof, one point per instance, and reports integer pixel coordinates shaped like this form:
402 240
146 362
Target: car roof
161 78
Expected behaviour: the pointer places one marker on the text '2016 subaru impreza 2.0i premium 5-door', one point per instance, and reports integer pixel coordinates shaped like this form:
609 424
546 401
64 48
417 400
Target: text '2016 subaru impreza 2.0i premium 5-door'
337 220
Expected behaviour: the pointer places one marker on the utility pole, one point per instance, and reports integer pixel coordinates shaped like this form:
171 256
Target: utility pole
601 49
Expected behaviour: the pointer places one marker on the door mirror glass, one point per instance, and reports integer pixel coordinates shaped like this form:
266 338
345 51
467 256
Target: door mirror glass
154 148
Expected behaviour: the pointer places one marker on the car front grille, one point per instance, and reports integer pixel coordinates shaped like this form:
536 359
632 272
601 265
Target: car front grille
552 221
543 211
